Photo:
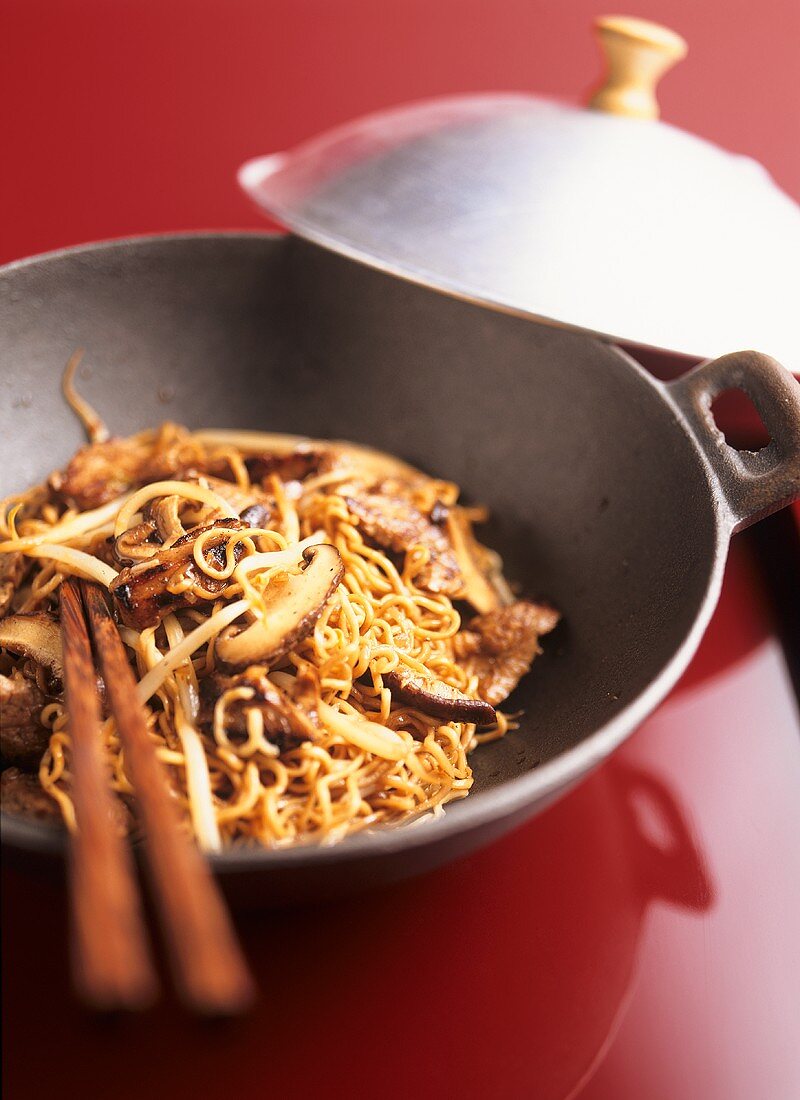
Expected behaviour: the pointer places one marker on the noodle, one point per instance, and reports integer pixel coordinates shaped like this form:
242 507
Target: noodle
232 741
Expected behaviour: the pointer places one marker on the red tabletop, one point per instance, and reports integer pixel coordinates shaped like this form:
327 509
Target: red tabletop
639 939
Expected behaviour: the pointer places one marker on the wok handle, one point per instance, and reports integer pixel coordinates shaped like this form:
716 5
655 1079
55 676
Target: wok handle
755 483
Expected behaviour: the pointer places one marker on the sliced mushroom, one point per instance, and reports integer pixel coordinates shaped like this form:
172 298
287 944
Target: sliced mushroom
258 515
36 636
164 512
142 592
139 543
292 610
436 698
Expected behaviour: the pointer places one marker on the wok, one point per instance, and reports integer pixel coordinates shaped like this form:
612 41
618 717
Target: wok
613 495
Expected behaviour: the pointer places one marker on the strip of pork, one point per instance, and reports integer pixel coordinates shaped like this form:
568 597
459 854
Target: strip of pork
500 646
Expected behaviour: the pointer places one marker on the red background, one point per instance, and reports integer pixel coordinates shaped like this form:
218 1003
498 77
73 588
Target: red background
131 116
520 970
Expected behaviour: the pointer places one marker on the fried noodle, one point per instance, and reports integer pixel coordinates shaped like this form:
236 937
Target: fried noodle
373 759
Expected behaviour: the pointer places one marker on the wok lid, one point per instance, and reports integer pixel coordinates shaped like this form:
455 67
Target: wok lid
604 219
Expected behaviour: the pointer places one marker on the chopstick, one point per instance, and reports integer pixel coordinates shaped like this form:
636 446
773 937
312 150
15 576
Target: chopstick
209 970
111 964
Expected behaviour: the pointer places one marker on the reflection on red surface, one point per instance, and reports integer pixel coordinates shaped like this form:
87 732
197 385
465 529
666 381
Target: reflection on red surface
529 948
634 941
667 863
716 1013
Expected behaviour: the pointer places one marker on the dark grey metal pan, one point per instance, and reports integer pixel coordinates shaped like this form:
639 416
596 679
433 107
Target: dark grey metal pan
612 494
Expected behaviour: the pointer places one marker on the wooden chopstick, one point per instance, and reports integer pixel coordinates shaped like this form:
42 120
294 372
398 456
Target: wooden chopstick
111 964
209 969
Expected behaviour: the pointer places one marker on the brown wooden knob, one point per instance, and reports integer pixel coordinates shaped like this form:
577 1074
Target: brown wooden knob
637 55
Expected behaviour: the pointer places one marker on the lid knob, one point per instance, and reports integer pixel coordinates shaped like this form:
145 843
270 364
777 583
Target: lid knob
637 53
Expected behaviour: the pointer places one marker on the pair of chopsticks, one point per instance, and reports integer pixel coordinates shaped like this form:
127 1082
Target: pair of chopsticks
112 966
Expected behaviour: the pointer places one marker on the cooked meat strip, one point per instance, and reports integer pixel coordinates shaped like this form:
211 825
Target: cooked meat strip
22 794
99 472
436 698
295 466
285 722
23 739
141 591
13 568
395 524
500 646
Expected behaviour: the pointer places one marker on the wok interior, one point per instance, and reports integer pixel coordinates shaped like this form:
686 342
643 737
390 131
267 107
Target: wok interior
597 497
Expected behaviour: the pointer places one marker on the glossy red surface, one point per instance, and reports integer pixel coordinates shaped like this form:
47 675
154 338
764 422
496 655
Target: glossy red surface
132 116
640 939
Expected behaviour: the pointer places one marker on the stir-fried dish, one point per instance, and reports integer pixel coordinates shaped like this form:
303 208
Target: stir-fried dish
317 635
